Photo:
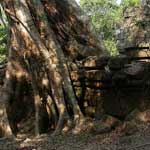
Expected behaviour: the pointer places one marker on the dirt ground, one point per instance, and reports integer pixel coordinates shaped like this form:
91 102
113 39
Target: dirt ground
134 139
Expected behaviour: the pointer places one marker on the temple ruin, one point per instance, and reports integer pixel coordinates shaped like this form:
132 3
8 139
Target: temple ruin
121 83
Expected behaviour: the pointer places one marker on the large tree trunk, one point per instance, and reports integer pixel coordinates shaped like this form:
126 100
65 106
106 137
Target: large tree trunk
46 36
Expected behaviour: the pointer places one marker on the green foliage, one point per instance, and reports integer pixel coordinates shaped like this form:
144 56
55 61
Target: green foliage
3 41
111 47
129 3
106 16
3 34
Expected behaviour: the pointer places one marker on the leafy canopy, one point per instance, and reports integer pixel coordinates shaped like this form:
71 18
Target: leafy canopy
3 34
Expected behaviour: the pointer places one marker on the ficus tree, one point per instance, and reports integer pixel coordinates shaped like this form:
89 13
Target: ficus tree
44 38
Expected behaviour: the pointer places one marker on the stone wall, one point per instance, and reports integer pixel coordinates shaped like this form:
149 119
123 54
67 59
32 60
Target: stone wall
145 2
133 38
112 85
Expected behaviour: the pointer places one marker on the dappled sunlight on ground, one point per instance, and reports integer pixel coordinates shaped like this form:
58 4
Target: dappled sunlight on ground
114 140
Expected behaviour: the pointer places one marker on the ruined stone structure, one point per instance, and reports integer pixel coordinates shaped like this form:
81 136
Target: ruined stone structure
134 36
121 84
145 2
115 86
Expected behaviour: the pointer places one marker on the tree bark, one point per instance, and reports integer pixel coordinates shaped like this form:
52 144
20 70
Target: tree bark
46 35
